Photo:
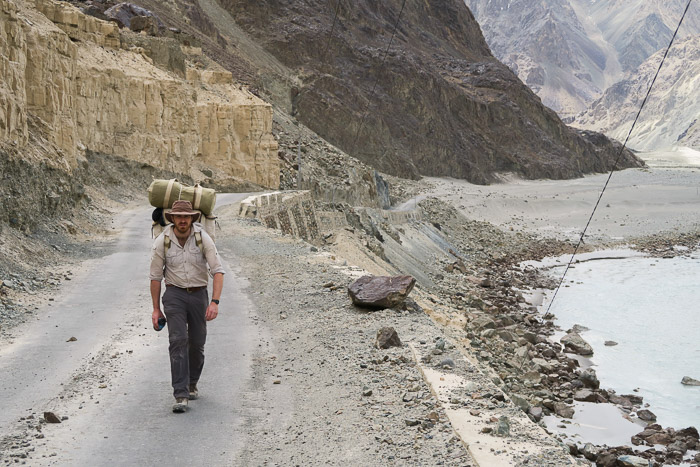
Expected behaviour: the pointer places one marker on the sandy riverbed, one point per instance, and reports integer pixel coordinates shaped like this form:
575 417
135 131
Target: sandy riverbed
637 202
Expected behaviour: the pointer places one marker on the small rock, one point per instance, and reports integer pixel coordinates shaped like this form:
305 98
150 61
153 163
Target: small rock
575 343
589 378
646 415
520 401
447 363
585 395
277 381
590 451
72 339
51 417
366 391
632 461
412 422
387 337
486 429
688 381
536 413
407 397
563 410
503 427
610 343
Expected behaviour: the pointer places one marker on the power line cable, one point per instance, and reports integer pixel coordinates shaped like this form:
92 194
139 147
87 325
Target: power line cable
330 35
386 52
619 156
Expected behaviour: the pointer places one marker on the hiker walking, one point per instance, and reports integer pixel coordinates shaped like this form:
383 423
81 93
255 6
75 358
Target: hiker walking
181 255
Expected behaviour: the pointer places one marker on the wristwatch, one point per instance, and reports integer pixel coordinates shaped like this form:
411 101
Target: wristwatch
215 301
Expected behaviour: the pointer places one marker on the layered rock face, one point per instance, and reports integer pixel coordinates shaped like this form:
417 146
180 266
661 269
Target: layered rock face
670 116
437 104
570 51
71 76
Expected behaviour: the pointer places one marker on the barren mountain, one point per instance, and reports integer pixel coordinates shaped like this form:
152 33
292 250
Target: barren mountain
438 103
671 114
570 51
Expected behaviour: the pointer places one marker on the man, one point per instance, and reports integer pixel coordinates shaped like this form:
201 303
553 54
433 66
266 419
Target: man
181 255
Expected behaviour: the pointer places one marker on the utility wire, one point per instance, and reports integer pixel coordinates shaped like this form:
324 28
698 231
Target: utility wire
619 156
330 36
371 94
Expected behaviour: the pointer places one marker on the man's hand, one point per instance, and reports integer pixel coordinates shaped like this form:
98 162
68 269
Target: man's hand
212 311
157 314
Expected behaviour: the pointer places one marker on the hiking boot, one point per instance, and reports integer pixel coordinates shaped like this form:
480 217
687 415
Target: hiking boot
180 405
194 394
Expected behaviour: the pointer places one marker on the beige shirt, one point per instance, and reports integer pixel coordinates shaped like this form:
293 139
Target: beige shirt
184 266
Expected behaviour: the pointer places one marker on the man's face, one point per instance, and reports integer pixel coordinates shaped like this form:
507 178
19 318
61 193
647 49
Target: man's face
182 223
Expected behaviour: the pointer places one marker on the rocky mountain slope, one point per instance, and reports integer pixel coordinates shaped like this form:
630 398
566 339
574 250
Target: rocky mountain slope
570 51
670 116
442 105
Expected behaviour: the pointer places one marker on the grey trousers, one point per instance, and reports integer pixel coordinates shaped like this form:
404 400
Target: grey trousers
187 332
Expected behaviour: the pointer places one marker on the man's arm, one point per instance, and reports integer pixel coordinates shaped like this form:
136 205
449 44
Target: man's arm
213 308
155 298
156 276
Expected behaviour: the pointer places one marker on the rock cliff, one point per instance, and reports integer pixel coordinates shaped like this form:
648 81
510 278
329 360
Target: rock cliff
442 104
84 85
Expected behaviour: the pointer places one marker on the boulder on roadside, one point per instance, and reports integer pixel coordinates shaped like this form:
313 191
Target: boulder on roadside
387 337
688 381
573 342
380 292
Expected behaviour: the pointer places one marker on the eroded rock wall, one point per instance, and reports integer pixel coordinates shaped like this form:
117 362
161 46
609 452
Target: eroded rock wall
69 73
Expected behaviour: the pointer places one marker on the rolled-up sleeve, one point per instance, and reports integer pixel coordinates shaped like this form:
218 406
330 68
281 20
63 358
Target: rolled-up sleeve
211 254
157 259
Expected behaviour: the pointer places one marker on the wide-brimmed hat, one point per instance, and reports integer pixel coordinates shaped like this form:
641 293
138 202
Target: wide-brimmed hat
182 208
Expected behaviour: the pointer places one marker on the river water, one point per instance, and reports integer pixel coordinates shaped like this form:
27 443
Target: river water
651 308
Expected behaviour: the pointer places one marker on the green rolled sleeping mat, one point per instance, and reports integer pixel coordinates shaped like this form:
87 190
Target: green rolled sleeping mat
163 193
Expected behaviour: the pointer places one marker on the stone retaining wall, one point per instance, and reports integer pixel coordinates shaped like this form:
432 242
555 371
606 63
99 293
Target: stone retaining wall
294 213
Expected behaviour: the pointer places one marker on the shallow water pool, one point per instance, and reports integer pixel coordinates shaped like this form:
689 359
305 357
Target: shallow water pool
651 308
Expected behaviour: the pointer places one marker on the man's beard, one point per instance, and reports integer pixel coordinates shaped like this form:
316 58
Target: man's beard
182 228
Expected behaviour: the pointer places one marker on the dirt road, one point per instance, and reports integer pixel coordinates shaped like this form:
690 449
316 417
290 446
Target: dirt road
112 380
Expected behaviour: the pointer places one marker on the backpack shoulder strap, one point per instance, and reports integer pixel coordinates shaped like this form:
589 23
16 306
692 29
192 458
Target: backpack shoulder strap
166 244
198 241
